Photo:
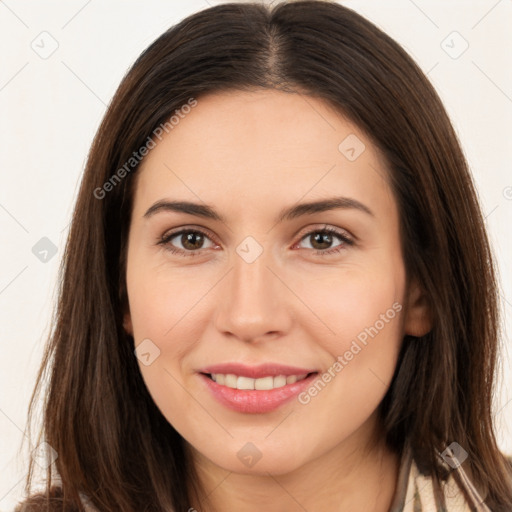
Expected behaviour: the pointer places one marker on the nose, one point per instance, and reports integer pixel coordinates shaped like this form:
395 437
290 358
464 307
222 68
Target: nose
254 302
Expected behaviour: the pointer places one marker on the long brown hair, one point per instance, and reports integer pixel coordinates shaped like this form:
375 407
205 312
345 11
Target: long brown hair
113 444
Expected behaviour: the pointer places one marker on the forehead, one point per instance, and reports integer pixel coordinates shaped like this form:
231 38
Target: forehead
251 147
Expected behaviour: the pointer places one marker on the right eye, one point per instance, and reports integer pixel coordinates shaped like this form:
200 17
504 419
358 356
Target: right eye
191 240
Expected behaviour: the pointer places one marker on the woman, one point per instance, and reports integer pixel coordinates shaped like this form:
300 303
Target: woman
277 292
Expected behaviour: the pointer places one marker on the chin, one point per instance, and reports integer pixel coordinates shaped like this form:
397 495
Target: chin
253 458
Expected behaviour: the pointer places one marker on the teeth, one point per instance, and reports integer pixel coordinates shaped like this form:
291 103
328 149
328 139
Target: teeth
279 381
265 383
230 380
245 383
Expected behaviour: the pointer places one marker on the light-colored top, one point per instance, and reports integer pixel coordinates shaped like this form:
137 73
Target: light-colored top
417 492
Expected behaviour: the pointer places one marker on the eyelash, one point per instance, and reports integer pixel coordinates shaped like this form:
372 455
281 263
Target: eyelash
346 241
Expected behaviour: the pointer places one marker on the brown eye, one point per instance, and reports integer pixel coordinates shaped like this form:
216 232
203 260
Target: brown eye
187 242
192 240
321 240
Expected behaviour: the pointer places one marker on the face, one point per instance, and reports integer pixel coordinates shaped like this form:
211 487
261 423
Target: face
297 312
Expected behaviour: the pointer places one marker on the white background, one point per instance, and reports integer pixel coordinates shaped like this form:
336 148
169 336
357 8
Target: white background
50 109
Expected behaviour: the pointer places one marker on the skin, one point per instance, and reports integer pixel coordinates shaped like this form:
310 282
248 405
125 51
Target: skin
250 154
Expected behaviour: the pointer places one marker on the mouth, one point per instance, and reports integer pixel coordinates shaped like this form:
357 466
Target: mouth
265 391
267 383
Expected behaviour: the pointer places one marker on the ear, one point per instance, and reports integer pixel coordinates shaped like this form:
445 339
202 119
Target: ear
418 316
127 323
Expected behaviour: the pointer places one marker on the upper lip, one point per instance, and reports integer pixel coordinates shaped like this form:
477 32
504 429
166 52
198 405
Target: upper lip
256 371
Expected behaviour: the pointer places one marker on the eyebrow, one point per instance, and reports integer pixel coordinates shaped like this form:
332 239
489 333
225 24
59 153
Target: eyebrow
289 213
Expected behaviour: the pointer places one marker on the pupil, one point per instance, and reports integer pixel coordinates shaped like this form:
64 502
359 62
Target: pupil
320 236
188 240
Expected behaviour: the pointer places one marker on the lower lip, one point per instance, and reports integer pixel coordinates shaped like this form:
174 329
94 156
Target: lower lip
256 401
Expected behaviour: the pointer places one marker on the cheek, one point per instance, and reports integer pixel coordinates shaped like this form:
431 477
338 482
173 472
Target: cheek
363 312
165 308
362 331
356 303
163 299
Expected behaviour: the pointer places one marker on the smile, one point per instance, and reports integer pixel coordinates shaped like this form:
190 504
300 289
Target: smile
255 389
233 381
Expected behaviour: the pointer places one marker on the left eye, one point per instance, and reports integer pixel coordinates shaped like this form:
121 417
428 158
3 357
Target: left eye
322 237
